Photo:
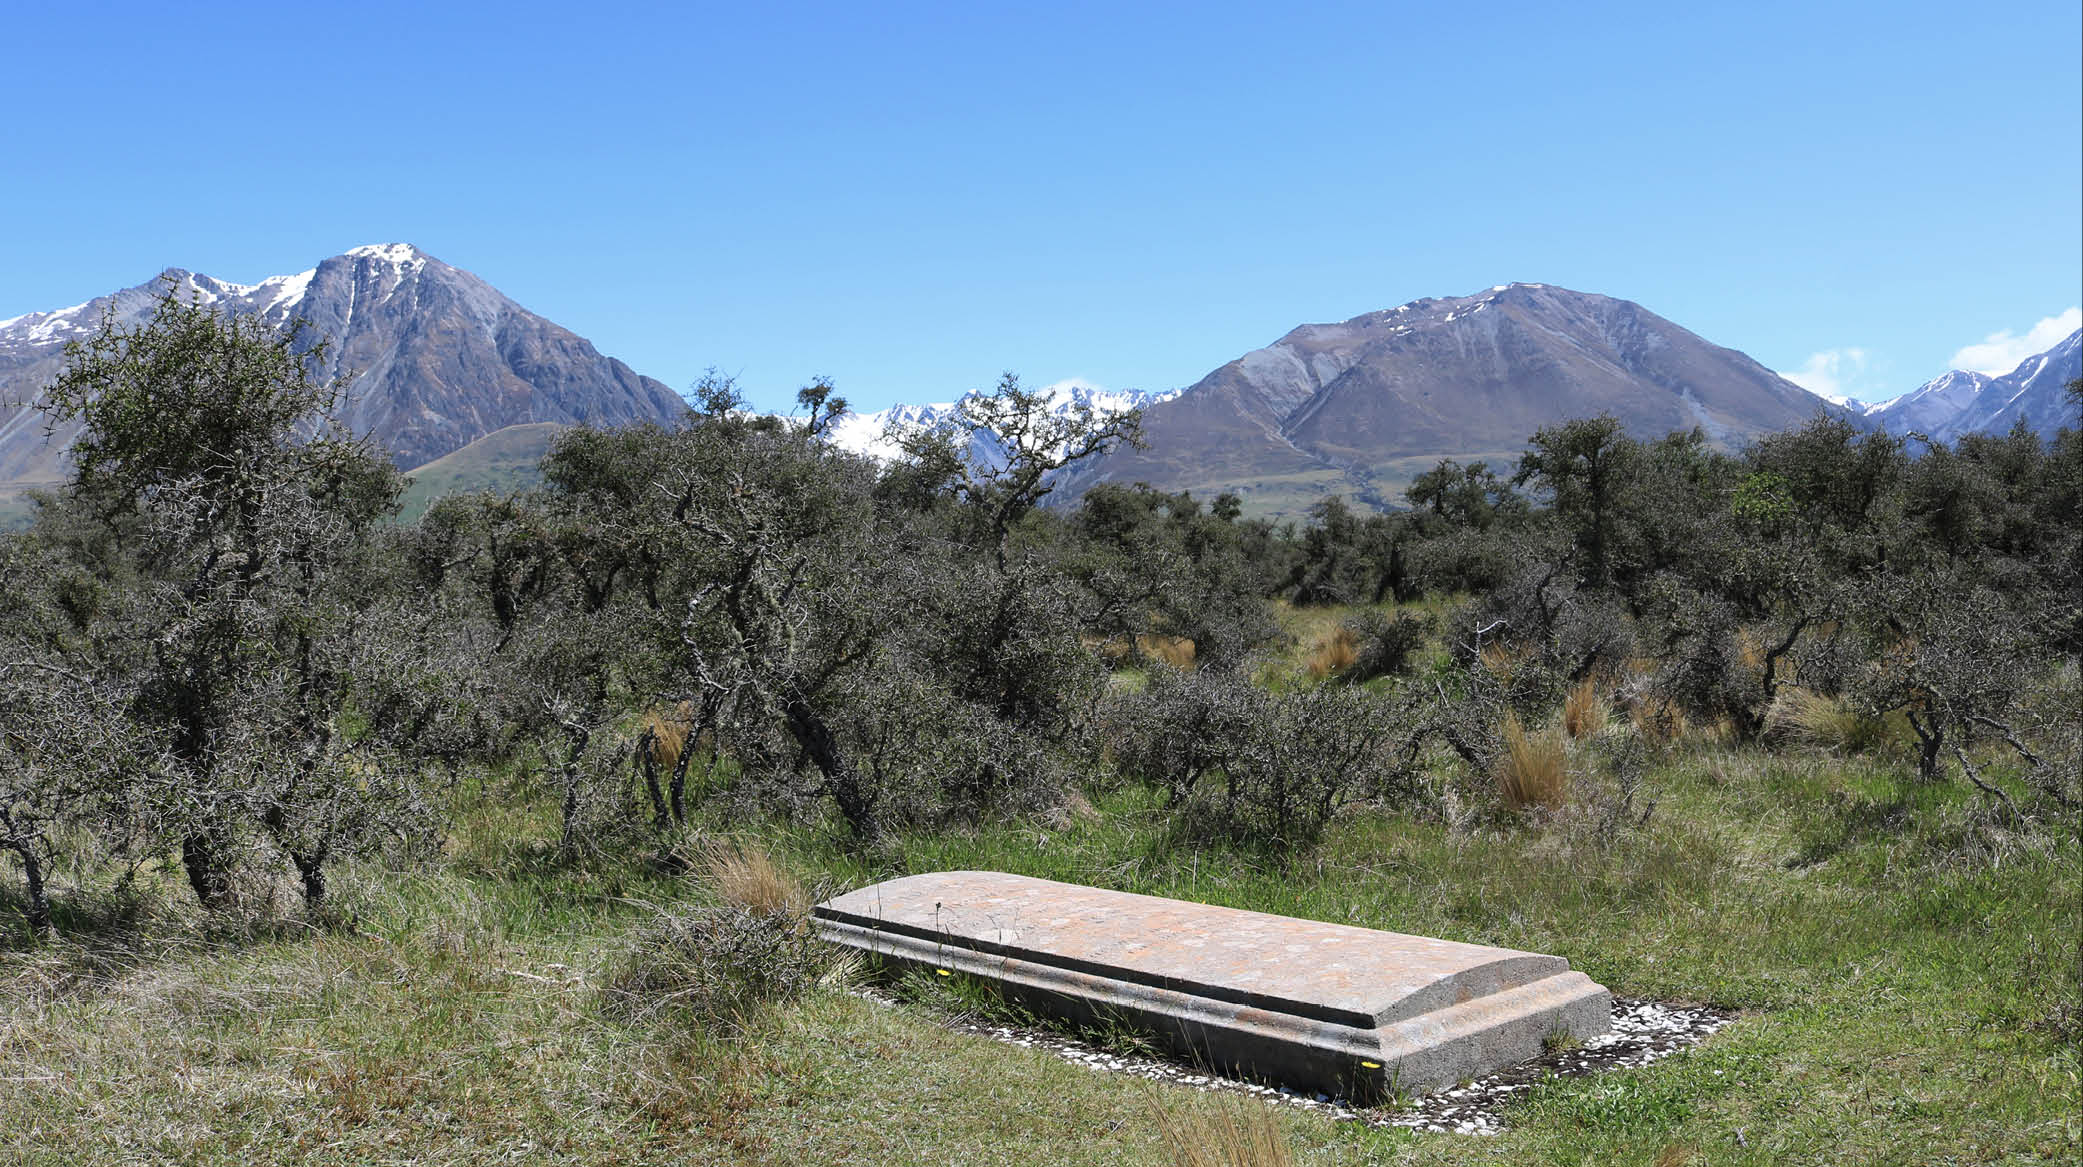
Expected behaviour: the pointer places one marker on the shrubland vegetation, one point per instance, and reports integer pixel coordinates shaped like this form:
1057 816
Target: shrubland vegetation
1755 729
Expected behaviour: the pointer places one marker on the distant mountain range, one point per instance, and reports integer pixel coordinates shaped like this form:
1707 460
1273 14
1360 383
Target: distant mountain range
467 388
439 357
1361 407
1961 402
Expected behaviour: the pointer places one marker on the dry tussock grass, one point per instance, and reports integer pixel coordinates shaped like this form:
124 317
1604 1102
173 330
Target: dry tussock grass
1502 662
1659 720
1750 652
724 966
1826 723
745 876
1584 711
1073 810
1534 768
665 733
1335 654
1176 651
1223 1133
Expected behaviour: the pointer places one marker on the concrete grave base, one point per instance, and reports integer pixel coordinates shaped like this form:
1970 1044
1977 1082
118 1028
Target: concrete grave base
1349 1011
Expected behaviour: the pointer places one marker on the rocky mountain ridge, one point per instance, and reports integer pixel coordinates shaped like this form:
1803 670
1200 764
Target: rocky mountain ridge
1961 402
438 357
441 360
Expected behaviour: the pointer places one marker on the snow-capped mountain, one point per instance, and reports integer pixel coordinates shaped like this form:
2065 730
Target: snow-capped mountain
438 357
1961 402
875 434
1931 404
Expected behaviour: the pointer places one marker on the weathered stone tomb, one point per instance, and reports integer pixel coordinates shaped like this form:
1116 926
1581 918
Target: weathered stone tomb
1350 1011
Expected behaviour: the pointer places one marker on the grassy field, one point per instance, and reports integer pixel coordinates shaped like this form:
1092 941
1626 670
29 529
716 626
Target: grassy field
501 461
16 509
1898 966
1284 497
1906 971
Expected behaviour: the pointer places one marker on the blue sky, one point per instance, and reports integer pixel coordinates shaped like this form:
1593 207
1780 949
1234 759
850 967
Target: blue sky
912 198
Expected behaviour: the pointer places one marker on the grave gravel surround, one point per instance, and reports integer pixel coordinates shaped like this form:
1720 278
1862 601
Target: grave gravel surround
1352 1012
1643 1033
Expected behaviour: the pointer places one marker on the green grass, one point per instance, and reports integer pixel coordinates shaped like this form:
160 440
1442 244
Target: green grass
1306 627
16 509
1891 956
501 461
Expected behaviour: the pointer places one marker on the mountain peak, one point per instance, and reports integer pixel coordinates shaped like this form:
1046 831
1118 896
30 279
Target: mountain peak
1963 401
397 253
437 357
1359 407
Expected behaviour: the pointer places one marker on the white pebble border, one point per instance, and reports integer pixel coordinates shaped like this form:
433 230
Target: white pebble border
1643 1032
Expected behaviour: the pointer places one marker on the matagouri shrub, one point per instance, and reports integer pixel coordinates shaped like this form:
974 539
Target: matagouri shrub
1240 762
1383 643
221 607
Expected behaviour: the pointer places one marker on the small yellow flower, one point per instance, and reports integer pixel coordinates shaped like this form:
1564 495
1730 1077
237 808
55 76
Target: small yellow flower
1372 1065
943 972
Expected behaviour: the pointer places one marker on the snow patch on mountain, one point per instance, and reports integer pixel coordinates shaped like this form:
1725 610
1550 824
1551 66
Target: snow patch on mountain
1964 401
276 298
401 255
282 292
438 357
876 434
35 328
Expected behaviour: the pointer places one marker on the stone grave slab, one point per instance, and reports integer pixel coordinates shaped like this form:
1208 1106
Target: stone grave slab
1330 1007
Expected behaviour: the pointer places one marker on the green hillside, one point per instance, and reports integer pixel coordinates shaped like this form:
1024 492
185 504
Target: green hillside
502 460
16 511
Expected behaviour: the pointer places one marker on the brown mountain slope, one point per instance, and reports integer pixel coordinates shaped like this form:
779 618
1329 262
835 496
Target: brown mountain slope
1362 406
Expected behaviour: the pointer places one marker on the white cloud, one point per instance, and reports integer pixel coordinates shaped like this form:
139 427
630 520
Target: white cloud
2002 351
1832 373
